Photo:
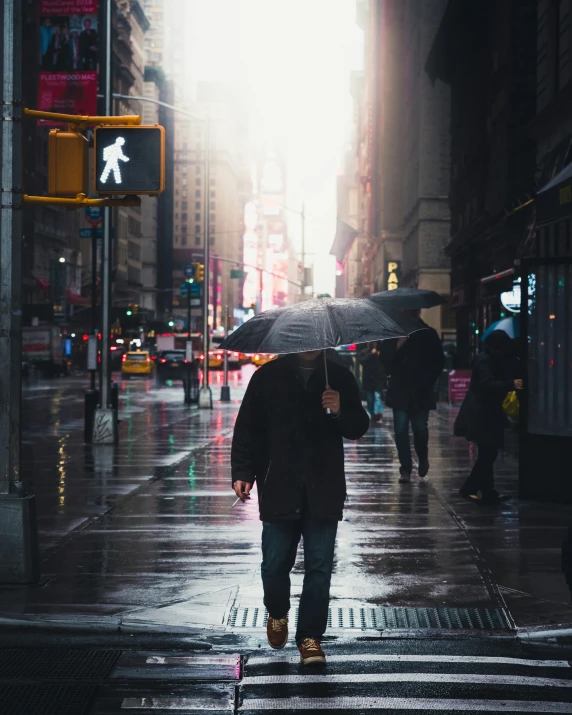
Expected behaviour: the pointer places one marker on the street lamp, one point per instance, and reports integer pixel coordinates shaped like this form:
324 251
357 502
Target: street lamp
62 259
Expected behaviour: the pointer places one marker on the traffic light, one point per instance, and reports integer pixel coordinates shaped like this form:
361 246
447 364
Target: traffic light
129 311
199 272
67 163
129 159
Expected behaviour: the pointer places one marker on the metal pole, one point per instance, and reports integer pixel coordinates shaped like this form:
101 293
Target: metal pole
19 560
105 424
205 396
225 389
93 294
188 350
303 217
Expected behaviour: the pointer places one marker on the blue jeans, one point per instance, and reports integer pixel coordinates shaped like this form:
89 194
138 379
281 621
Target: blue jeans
420 425
279 546
370 397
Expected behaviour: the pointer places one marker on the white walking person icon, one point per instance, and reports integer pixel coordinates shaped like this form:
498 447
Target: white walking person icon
112 155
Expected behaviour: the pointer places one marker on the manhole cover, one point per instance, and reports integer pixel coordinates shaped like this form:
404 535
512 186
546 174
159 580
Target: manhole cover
45 699
56 663
368 618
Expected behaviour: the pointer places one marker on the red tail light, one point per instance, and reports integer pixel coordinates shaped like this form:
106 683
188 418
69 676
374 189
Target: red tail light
153 357
147 359
202 357
123 358
163 360
186 362
219 356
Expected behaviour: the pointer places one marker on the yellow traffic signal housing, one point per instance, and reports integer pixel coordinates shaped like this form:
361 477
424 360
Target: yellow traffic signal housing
199 272
129 159
67 163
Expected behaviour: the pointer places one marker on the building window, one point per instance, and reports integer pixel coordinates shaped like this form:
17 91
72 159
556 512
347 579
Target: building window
184 216
213 205
198 182
197 240
212 218
198 169
213 194
212 182
184 240
197 217
184 205
176 215
198 194
197 204
197 228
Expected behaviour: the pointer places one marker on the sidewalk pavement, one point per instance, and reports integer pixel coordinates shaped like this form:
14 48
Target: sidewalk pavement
144 535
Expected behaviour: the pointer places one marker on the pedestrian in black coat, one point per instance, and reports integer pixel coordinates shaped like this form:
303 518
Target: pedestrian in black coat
415 364
373 380
481 418
286 441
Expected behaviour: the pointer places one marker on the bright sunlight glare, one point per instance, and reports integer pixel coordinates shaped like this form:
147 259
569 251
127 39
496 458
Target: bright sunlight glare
295 57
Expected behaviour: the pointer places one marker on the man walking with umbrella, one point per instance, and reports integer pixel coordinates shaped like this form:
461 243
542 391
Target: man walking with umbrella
289 439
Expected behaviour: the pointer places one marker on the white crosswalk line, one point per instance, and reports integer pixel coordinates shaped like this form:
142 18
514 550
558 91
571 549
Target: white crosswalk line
476 678
398 658
396 704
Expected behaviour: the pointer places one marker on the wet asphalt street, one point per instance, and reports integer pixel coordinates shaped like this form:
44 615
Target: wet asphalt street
141 540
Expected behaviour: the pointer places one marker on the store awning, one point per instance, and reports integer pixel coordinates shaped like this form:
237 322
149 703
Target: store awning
554 201
42 284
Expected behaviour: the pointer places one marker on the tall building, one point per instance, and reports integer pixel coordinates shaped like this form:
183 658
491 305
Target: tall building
486 53
398 200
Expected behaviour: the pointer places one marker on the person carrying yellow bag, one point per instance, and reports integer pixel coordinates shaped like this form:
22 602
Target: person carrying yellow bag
511 407
482 420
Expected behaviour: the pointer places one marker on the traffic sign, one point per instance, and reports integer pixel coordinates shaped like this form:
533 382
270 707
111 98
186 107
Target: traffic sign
129 159
184 289
88 232
190 270
237 273
195 288
94 215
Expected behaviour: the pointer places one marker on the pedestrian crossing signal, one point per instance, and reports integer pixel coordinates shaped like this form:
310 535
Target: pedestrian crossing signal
129 159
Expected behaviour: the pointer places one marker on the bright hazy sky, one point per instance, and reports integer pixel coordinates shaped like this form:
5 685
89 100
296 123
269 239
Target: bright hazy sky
296 57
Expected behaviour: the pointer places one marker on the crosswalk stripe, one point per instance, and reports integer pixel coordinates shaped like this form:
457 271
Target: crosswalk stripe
396 704
398 658
477 678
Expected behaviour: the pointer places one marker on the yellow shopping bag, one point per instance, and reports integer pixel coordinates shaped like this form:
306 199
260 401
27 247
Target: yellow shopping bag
511 406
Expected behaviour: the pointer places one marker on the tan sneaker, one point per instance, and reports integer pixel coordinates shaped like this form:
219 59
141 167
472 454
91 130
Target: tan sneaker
311 652
277 632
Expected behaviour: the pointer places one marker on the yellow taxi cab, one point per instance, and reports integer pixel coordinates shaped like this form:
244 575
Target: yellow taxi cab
262 358
136 363
216 359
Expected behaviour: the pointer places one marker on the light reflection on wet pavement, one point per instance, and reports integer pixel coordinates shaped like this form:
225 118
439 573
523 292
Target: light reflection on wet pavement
145 531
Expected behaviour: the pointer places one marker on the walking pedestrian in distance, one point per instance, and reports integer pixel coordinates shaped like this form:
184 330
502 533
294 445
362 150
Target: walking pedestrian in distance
481 419
415 365
286 441
373 381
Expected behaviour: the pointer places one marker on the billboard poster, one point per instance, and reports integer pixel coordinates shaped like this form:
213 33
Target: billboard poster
68 56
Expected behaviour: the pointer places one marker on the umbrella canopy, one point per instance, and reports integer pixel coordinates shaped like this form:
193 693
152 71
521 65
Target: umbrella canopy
318 324
511 327
407 299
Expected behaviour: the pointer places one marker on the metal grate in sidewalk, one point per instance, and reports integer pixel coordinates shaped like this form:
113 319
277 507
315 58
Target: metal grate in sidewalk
56 663
369 618
45 699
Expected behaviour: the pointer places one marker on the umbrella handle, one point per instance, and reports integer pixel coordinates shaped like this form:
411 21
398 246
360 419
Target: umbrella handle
328 410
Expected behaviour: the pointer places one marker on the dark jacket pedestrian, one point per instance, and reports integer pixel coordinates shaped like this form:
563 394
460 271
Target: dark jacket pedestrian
481 419
373 371
414 369
415 365
286 441
373 381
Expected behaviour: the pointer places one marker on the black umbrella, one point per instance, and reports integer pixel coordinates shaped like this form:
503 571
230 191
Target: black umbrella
318 324
407 299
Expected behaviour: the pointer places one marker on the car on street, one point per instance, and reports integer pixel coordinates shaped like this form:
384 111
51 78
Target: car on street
262 358
136 363
172 365
234 358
